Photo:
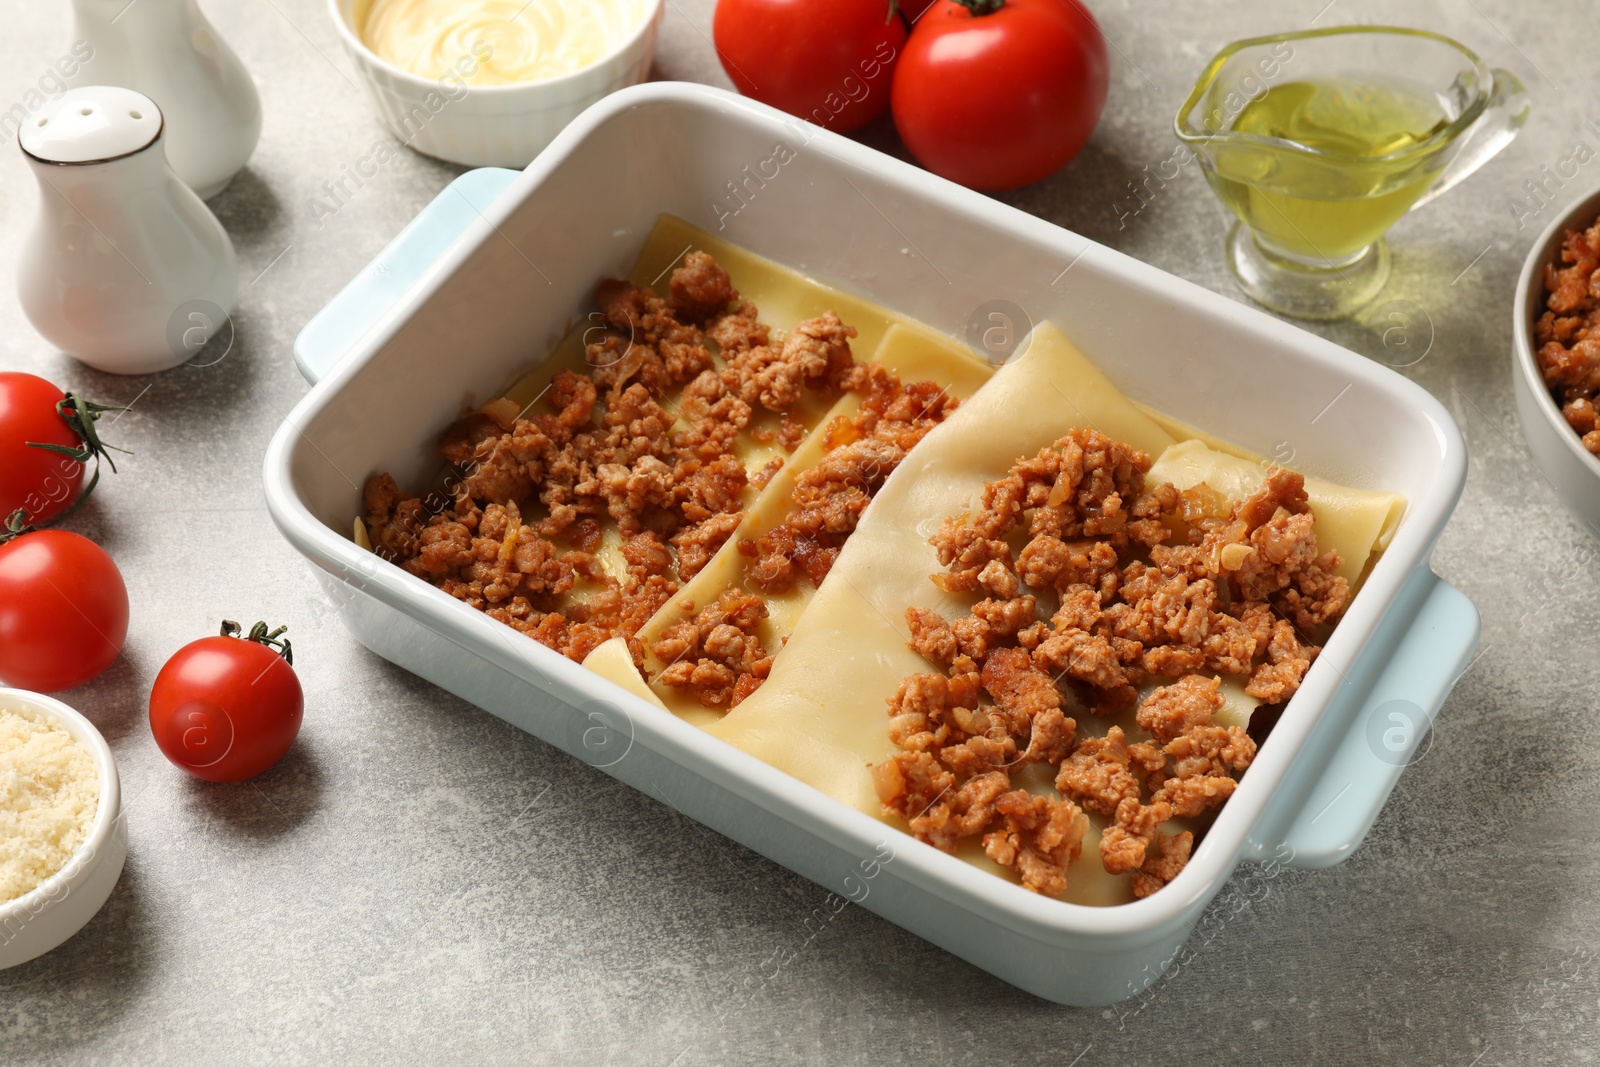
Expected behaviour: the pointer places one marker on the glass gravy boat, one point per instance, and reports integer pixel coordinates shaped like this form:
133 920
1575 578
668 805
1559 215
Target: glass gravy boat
1321 140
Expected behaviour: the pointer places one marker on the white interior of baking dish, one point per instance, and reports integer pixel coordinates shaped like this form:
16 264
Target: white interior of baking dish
861 221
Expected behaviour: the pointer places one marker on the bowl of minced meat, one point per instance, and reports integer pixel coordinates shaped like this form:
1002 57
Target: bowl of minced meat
62 836
1556 370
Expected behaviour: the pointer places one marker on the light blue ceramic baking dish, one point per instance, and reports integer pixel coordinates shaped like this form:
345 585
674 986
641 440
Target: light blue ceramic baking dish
489 276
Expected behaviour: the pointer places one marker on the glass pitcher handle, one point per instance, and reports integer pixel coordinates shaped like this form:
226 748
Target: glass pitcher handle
1499 123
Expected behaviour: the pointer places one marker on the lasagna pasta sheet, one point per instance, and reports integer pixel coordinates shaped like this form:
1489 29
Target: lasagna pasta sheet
1355 522
612 660
821 715
912 354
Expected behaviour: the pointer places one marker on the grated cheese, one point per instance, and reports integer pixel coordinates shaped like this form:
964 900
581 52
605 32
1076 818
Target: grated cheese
49 793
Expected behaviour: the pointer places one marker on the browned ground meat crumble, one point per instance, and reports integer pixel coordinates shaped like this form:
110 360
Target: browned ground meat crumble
717 655
862 450
828 499
1151 583
1568 333
645 440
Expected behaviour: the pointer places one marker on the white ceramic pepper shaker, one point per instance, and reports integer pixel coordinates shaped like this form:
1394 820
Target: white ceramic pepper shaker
126 268
167 50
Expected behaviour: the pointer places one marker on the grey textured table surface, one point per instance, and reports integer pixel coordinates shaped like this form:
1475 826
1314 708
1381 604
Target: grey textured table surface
421 882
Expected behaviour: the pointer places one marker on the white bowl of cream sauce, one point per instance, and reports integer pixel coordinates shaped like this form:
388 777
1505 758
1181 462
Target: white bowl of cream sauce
489 83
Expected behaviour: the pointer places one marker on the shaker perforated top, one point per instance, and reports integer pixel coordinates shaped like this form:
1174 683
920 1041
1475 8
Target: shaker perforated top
92 124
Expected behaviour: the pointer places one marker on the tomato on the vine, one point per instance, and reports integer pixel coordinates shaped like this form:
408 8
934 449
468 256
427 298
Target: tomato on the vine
227 708
46 436
63 609
997 94
825 61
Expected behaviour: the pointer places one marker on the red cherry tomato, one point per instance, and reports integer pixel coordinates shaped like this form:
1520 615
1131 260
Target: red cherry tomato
63 611
997 94
227 708
45 438
826 61
41 482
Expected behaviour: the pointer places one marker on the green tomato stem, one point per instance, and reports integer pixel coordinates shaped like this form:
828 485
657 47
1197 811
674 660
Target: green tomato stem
260 635
16 525
80 415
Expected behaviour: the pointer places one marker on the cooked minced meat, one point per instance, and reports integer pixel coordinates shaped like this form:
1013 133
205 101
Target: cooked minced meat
643 441
1243 595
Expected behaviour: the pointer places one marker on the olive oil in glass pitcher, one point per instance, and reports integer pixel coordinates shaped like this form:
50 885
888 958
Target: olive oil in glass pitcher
1318 144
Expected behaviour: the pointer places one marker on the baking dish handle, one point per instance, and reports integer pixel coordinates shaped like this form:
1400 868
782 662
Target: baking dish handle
1387 731
336 329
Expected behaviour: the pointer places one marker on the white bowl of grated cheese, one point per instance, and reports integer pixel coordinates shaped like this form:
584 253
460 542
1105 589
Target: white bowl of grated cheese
63 839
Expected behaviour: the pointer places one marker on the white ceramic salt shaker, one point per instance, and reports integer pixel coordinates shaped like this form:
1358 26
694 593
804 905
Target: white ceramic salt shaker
167 50
126 268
